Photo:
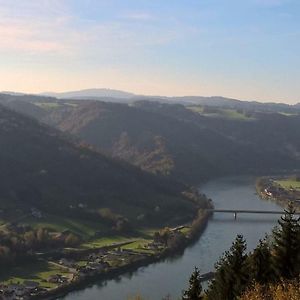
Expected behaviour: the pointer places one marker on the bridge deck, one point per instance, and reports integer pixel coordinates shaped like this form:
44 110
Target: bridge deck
246 211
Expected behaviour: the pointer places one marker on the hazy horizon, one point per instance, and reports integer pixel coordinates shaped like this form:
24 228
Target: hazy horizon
245 50
47 93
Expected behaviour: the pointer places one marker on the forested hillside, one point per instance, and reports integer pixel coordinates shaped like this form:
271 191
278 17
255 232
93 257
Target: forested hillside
191 143
175 140
45 170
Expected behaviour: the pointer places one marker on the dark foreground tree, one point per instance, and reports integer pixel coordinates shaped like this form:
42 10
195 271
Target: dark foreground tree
194 290
231 273
286 245
260 263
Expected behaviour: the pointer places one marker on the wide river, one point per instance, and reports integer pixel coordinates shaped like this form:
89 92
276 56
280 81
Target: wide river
171 275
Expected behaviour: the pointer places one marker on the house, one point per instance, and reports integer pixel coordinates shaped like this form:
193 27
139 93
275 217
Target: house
14 291
97 266
177 228
67 263
12 288
271 191
93 257
92 268
31 285
36 213
57 278
155 245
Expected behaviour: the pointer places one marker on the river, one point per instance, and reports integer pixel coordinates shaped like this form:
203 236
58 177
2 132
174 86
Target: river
171 275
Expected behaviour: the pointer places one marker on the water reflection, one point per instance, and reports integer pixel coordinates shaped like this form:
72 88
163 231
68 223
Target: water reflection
171 275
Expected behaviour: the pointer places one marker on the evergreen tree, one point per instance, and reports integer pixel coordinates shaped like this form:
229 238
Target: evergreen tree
260 262
195 289
219 285
286 245
231 273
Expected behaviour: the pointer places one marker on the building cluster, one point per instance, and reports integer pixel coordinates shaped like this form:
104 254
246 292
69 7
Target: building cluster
74 268
19 291
278 192
103 261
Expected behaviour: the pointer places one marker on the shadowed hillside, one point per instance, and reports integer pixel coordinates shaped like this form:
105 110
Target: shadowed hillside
191 143
175 140
41 168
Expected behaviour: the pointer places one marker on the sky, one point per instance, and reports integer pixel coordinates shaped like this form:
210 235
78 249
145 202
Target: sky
244 49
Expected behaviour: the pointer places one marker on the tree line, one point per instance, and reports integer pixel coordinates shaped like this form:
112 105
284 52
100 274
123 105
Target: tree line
18 243
275 259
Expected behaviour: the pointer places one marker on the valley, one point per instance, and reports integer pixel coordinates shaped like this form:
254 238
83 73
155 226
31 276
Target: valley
175 140
149 150
96 179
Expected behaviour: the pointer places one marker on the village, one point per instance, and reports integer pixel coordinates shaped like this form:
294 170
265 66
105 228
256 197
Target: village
75 267
282 190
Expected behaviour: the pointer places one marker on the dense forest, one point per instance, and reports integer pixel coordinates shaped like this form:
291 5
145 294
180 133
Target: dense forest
120 168
191 143
43 169
270 271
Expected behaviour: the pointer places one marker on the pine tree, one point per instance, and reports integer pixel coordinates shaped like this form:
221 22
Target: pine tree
286 245
231 273
194 290
219 285
260 263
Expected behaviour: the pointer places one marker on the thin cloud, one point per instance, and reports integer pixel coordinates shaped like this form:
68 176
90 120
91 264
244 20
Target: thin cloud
32 26
271 2
31 37
49 27
139 16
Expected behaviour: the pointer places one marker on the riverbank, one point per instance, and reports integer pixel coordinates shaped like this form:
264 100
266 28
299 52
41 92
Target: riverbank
170 276
109 262
281 190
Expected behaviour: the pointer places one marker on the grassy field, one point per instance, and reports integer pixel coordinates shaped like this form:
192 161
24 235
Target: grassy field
48 105
53 105
138 246
38 271
85 228
185 230
221 113
288 114
106 241
139 235
198 109
289 183
88 229
233 114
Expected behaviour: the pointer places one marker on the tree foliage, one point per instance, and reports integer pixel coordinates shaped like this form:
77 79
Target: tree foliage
231 273
286 246
275 258
194 291
260 263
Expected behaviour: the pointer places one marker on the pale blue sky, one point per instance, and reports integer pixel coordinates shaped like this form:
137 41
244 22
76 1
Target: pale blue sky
247 49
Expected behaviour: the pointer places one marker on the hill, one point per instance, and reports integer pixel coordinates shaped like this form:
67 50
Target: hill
178 141
110 95
91 93
46 170
191 143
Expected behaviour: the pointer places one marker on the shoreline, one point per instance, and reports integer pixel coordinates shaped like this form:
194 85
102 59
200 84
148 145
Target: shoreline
197 228
268 190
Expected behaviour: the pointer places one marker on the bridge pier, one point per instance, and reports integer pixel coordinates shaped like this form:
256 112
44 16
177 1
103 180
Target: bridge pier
235 215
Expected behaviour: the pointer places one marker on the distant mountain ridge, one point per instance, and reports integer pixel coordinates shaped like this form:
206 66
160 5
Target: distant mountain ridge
91 93
112 95
182 141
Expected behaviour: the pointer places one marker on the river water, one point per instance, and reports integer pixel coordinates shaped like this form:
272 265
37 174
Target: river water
171 275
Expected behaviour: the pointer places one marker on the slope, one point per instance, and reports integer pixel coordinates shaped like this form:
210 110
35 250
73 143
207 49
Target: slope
43 169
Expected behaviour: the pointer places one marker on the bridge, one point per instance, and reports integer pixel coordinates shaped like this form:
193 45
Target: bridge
249 211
